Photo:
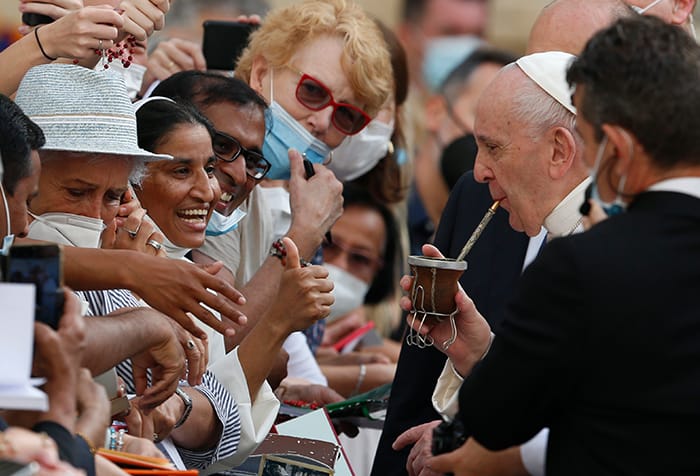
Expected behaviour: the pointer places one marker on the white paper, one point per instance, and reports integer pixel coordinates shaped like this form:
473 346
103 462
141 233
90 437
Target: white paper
17 305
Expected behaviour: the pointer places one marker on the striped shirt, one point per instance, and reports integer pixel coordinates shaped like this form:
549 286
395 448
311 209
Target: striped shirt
102 303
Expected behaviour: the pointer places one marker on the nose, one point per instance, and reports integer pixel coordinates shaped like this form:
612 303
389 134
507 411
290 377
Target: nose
320 121
235 170
482 173
205 188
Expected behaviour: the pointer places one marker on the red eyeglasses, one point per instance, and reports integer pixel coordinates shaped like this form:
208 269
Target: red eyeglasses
313 94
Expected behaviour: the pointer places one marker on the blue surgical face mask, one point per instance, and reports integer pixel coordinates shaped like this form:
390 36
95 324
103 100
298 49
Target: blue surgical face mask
443 54
220 224
618 205
287 133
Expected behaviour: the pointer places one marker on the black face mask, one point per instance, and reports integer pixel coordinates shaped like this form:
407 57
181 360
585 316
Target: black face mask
457 158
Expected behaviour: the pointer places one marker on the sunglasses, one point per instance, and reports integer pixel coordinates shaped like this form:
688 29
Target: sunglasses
228 149
314 95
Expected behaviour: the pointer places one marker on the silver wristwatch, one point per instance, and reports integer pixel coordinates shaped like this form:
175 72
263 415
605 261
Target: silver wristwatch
188 406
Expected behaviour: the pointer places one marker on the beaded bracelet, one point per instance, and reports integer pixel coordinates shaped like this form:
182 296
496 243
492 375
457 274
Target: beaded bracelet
279 251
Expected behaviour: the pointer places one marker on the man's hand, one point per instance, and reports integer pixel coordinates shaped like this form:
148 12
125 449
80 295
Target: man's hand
473 332
316 204
93 408
421 437
196 353
472 459
178 288
166 360
304 294
146 423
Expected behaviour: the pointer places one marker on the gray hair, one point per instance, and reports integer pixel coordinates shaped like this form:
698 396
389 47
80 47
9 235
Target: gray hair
532 106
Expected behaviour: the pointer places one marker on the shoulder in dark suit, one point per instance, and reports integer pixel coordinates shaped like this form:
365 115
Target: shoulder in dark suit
494 266
602 344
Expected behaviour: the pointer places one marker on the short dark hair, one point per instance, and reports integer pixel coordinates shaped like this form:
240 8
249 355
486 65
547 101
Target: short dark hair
204 89
383 284
156 119
642 74
19 135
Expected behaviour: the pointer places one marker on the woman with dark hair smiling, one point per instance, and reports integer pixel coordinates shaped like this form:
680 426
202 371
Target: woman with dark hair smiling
180 196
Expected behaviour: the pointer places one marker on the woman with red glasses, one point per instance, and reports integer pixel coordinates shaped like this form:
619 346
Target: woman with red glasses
324 68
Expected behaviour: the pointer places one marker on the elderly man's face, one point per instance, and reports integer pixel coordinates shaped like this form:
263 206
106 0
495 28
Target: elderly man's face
512 159
82 184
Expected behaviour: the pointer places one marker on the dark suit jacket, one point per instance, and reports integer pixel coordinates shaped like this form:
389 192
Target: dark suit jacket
494 265
602 344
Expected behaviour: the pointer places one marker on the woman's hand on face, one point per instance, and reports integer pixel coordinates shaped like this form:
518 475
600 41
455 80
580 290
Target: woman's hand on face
131 230
79 33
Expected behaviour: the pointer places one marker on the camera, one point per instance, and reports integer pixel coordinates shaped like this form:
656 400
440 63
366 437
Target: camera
448 436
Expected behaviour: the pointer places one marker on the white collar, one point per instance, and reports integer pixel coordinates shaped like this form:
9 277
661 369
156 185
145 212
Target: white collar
686 185
565 219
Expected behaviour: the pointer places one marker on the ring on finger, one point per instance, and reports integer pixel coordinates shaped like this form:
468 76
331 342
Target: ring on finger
132 233
190 344
157 246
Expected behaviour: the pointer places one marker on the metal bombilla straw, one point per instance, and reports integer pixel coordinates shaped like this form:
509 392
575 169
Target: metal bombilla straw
465 250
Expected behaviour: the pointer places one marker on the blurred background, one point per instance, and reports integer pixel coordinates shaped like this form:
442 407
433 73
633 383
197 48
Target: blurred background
508 20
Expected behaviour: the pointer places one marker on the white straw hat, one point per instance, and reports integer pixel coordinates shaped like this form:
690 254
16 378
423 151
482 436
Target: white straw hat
82 110
548 70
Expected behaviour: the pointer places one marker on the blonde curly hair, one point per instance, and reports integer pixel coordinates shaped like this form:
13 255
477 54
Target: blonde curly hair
365 57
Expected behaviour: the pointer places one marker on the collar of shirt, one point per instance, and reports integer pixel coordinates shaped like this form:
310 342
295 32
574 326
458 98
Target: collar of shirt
687 185
565 219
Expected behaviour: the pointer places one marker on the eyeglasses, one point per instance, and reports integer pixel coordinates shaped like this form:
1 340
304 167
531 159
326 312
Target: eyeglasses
314 95
228 149
358 261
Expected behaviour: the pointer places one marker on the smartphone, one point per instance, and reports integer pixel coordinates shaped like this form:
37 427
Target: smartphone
34 19
41 265
224 42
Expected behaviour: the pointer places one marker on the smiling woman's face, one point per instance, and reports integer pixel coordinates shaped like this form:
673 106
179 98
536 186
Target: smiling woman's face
180 194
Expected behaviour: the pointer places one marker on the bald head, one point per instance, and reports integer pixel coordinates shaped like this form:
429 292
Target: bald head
566 25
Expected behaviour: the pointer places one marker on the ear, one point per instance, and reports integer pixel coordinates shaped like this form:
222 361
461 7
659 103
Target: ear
258 75
564 151
435 112
624 145
681 12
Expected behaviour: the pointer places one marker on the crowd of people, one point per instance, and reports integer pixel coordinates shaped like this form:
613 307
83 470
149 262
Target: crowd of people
224 232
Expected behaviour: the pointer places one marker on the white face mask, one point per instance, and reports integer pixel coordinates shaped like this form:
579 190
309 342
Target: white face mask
10 237
220 224
67 229
349 292
358 154
133 76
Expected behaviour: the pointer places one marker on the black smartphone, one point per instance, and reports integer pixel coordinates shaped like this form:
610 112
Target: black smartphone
41 265
34 19
224 42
